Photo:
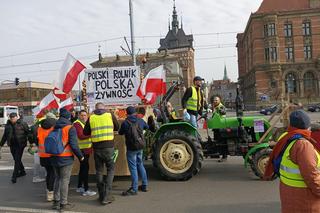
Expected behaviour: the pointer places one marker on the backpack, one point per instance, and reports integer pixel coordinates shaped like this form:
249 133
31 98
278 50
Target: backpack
277 161
53 143
135 135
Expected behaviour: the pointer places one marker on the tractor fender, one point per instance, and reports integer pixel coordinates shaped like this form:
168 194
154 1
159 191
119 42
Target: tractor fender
174 125
254 150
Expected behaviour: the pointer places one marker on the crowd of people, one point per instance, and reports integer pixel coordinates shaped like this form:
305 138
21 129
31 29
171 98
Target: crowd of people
80 136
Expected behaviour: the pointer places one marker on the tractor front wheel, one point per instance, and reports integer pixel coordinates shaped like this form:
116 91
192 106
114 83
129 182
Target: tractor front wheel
259 161
178 155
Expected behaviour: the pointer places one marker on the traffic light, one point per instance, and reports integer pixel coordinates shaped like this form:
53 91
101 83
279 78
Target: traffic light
16 81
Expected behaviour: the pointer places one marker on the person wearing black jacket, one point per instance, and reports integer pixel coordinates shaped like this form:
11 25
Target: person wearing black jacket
16 134
134 155
193 101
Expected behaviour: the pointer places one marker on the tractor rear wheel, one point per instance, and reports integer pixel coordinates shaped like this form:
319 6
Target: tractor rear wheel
259 161
178 155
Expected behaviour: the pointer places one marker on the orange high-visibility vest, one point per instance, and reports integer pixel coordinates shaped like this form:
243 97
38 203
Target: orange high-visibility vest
42 134
67 152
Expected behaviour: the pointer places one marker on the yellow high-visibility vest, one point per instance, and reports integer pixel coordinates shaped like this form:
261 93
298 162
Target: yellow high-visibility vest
101 127
192 103
85 143
289 171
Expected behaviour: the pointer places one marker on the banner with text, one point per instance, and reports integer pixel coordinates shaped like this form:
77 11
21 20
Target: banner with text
113 85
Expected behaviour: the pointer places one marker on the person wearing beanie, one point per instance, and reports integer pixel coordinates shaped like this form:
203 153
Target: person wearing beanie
193 101
62 163
299 167
101 126
134 153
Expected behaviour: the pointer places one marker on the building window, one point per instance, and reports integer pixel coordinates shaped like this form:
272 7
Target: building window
309 82
269 29
306 28
291 83
288 30
307 52
289 53
271 54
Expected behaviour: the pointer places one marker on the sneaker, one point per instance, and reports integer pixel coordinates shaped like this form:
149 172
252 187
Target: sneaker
38 180
80 190
89 193
49 196
130 191
143 188
56 205
107 200
66 207
222 160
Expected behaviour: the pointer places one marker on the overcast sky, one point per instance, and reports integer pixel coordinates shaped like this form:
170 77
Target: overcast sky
81 26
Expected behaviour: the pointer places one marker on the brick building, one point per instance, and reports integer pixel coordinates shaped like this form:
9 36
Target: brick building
279 53
26 95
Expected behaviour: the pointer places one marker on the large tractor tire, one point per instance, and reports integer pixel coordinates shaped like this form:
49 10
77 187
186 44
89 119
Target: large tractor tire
178 155
259 161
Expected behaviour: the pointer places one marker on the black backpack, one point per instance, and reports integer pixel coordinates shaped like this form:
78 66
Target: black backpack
135 135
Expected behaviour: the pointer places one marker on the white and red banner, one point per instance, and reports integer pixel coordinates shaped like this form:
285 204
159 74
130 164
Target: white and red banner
67 104
113 85
153 85
47 103
69 72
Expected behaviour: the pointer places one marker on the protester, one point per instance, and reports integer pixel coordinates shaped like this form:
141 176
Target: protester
193 101
298 169
43 130
85 145
62 163
217 106
133 128
74 115
100 126
16 134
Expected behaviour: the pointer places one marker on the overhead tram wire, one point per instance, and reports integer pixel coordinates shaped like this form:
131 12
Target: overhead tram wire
99 41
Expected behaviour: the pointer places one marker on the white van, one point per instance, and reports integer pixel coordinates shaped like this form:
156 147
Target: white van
5 112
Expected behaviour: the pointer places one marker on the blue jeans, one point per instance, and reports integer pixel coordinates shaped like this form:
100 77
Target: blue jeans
193 121
135 164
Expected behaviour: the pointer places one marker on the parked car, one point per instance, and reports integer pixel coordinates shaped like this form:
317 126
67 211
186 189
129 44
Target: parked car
269 110
314 107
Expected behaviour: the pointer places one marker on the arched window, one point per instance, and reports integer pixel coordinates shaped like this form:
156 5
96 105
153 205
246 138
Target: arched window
291 83
309 82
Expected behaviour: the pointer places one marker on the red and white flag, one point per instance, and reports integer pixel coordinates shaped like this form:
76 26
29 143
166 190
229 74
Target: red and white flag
69 72
67 104
60 94
152 85
47 103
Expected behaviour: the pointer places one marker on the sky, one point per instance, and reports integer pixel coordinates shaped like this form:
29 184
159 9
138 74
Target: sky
36 35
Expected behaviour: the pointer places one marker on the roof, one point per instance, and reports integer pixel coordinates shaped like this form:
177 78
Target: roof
176 40
268 6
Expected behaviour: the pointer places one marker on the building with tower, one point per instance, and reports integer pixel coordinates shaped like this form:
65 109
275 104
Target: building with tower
279 53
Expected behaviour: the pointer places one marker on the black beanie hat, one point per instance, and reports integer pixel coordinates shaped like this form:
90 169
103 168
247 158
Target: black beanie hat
300 119
130 110
65 113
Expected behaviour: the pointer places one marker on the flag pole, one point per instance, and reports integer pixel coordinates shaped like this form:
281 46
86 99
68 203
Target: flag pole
133 54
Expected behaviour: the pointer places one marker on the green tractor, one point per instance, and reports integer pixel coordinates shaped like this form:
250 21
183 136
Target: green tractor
178 152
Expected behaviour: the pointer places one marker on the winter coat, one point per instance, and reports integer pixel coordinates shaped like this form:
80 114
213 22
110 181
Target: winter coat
57 161
102 144
16 134
124 129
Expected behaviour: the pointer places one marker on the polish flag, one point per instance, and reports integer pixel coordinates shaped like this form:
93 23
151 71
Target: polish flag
69 72
60 94
152 85
67 104
47 103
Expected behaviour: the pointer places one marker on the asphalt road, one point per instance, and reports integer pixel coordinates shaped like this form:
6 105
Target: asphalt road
220 187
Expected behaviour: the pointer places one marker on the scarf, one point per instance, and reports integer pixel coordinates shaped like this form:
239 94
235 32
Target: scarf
269 173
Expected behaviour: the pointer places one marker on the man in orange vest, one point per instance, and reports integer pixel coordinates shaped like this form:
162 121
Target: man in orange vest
62 163
43 130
